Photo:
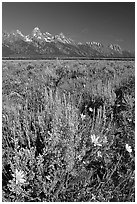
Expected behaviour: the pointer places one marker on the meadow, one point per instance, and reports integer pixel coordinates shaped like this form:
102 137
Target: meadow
68 131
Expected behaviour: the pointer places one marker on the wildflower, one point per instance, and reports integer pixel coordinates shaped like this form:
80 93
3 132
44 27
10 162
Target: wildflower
95 140
130 119
19 177
83 116
93 197
99 154
128 148
90 109
48 178
79 157
50 134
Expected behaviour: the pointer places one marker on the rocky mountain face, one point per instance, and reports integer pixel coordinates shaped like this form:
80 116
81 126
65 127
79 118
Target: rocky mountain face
43 45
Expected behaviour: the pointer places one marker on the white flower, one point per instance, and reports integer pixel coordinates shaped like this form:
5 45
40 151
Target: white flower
19 177
50 134
99 154
129 119
48 178
90 109
128 148
95 140
93 197
83 116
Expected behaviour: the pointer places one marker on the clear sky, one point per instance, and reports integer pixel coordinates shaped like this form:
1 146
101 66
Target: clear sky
82 21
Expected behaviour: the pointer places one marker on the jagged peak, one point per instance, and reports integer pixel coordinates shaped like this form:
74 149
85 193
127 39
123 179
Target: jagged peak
94 43
36 29
115 47
48 33
19 32
61 35
38 38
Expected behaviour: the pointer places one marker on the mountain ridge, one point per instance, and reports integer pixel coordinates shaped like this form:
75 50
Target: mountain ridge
38 44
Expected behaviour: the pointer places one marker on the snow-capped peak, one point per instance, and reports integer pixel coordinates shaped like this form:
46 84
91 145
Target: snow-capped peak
20 33
36 32
61 37
41 37
48 37
28 39
94 43
36 29
48 33
115 47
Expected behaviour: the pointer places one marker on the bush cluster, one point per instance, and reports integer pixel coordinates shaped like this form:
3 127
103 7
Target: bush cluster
68 131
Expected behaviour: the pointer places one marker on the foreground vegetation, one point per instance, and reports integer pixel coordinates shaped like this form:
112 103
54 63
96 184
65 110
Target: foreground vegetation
68 131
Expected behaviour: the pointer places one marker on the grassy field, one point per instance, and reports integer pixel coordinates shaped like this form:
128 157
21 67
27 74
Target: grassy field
68 131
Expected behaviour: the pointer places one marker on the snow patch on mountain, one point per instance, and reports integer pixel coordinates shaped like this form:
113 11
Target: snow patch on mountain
27 38
115 47
20 33
94 43
62 38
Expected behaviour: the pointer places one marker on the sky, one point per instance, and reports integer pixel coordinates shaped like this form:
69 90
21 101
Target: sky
105 22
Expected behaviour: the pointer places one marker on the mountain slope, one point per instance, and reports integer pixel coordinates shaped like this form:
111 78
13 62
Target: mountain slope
38 44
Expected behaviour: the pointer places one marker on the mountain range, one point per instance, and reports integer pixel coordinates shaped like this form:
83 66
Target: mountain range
46 45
